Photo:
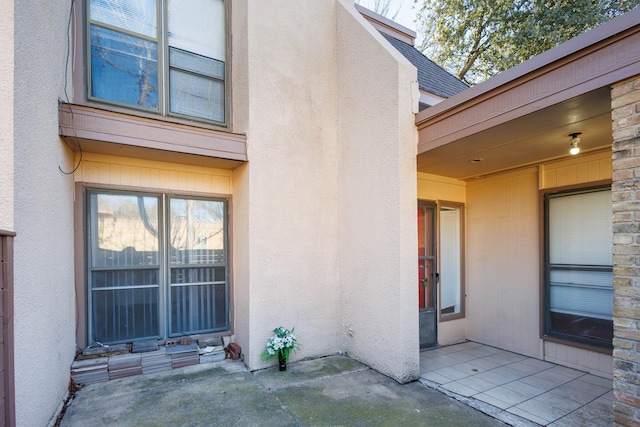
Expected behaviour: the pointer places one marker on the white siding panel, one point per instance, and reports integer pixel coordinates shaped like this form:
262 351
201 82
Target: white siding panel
119 171
576 170
577 358
502 262
434 187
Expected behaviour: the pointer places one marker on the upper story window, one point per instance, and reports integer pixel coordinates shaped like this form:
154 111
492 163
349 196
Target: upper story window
163 56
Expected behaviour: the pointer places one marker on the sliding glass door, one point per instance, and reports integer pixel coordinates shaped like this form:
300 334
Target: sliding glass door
157 266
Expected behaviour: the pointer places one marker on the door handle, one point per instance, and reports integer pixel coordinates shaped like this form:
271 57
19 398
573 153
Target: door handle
437 277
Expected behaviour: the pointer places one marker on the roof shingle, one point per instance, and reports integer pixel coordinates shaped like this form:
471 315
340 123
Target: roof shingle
432 78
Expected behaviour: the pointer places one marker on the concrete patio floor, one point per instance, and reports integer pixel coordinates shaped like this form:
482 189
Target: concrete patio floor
463 384
516 389
331 390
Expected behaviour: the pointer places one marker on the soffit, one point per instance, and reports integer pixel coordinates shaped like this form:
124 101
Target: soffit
528 140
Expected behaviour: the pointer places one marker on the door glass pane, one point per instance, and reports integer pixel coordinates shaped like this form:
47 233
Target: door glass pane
124 230
426 262
450 260
124 270
198 297
126 314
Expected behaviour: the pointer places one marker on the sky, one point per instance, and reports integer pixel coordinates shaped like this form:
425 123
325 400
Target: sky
406 12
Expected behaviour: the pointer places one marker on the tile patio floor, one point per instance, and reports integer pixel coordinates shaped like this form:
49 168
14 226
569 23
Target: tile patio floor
516 389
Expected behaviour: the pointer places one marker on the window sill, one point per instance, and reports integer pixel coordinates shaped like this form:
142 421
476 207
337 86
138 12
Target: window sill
115 133
583 346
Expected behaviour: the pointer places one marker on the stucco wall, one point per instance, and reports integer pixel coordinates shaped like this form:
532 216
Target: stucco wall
6 117
377 199
324 214
287 274
44 283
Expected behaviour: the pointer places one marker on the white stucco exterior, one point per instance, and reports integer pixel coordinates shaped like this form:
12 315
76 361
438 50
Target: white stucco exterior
285 197
6 117
377 199
322 215
43 208
306 206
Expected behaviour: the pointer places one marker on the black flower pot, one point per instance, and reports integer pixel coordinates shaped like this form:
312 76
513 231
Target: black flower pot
282 362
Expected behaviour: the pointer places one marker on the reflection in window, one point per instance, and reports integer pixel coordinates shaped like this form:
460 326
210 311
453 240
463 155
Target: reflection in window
451 280
152 278
170 63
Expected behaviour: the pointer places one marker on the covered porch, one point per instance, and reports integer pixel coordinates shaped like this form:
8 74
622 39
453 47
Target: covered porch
502 150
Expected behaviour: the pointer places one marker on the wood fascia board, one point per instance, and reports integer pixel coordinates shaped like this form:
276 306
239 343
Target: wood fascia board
88 123
506 97
387 26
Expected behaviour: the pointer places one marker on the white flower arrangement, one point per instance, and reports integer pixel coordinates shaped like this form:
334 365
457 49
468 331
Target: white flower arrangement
280 344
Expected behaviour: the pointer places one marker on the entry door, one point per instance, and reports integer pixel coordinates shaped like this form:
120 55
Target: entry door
427 274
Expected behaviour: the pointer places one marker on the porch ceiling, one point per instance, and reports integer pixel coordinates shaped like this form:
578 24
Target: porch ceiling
528 140
524 115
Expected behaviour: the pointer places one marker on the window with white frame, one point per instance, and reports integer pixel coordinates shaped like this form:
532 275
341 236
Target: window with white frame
164 56
157 266
579 266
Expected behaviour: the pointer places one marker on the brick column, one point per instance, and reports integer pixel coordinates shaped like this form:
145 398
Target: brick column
625 104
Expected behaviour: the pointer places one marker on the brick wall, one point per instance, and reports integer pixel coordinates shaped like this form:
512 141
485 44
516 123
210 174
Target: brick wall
625 102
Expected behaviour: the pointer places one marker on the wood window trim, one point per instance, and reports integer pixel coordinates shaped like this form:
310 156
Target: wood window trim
583 346
115 130
542 193
463 295
107 132
79 47
6 278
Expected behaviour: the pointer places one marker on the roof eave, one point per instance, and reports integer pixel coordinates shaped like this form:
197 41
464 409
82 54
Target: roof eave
577 46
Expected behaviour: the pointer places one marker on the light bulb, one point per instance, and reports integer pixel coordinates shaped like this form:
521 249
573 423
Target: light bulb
575 149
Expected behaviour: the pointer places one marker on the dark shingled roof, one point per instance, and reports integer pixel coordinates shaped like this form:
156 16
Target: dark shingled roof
431 77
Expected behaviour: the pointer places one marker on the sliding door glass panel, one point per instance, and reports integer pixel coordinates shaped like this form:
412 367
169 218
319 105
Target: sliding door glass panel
124 267
198 277
426 257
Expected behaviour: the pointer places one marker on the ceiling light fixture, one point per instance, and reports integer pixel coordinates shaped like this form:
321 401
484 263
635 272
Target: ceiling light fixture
575 149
